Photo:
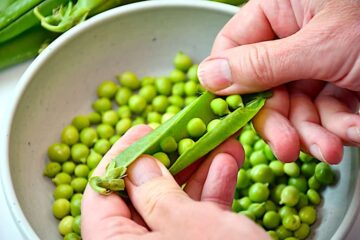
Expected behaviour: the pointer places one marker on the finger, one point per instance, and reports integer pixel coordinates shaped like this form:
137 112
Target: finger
271 18
314 139
338 109
155 194
195 185
109 208
273 126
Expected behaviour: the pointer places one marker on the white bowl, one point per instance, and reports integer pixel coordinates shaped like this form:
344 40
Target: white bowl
61 83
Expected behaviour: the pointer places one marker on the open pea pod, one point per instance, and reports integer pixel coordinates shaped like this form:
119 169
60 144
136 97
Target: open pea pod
175 127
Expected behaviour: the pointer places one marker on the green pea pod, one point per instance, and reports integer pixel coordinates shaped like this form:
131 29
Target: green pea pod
150 144
4 4
29 20
15 10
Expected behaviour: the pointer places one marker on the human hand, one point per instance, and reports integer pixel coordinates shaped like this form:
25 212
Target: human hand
160 209
309 53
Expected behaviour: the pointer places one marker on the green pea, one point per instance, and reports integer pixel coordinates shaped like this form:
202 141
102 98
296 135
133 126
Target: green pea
61 208
123 125
137 103
305 157
191 88
178 89
302 232
269 153
168 144
94 118
248 214
283 233
81 122
63 191
313 183
173 109
259 145
262 173
51 169
212 124
277 167
154 125
292 169
61 178
313 196
107 89
271 220
243 180
276 192
70 135
88 136
75 206
273 235
177 76
245 202
303 201
65 225
72 236
163 158
101 105
291 222
163 86
166 117
68 167
234 101
77 196
138 120
258 209
182 61
236 206
123 95
324 174
289 196
148 92
79 184
308 169
147 81
154 117
258 157
248 137
160 103
219 106
124 112
79 152
110 117
129 79
76 226
102 146
285 210
81 170
192 73
308 215
299 182
114 139
185 144
196 127
270 206
189 100
259 192
176 101
248 150
105 131
90 173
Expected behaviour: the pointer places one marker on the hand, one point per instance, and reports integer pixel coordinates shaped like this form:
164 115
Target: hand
309 53
160 209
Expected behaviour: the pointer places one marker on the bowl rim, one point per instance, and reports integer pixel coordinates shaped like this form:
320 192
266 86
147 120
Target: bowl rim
17 214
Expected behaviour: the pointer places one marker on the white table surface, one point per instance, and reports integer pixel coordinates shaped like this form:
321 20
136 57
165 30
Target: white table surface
8 228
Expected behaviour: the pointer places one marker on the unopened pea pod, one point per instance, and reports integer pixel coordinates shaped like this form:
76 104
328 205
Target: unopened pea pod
200 108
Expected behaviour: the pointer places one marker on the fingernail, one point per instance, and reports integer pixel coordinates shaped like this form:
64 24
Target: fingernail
215 74
354 134
143 170
316 152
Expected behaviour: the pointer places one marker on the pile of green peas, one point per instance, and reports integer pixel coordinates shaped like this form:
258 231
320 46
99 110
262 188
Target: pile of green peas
281 197
265 185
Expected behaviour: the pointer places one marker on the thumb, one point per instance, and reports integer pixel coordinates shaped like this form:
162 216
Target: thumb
154 193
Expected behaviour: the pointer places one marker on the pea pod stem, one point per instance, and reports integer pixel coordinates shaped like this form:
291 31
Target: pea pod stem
150 144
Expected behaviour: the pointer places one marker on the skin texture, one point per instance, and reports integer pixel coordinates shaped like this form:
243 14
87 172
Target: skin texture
307 52
160 209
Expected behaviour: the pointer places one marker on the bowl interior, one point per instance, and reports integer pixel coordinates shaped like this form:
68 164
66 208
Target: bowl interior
143 40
